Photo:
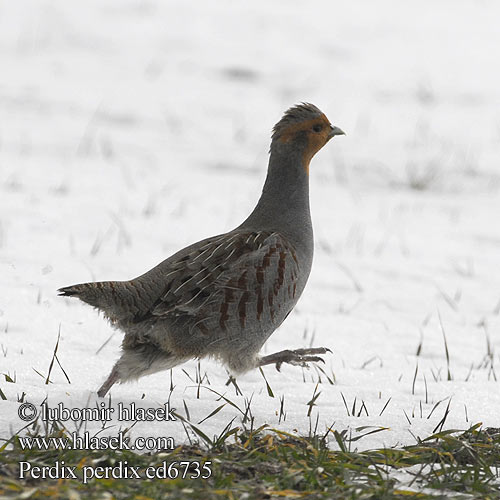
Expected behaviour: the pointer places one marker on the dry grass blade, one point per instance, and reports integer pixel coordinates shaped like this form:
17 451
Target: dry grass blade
445 346
105 343
62 369
313 399
268 387
345 404
214 412
414 379
47 380
443 420
385 406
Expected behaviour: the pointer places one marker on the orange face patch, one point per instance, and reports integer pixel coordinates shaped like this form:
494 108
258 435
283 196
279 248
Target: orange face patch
317 131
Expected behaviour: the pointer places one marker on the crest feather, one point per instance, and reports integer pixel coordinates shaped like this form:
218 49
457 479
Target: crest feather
296 114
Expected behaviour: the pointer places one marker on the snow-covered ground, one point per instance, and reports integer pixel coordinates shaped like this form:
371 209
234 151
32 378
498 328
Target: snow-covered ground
129 129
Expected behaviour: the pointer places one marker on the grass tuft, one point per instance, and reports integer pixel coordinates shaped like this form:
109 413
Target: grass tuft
269 463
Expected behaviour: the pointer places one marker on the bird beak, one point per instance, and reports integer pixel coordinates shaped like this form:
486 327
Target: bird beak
335 131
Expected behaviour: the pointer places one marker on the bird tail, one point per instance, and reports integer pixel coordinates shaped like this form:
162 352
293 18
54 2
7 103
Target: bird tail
91 293
107 296
73 290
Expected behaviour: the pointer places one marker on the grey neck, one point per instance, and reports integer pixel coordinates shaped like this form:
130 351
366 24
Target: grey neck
284 203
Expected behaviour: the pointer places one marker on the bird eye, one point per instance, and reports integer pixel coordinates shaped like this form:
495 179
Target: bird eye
318 128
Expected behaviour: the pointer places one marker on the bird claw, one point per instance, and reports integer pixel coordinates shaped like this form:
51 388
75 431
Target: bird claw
297 357
311 350
300 361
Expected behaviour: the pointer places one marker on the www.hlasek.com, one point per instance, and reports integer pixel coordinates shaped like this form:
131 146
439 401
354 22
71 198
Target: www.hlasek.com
85 441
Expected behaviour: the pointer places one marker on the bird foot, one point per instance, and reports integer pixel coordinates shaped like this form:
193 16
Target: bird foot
297 357
110 381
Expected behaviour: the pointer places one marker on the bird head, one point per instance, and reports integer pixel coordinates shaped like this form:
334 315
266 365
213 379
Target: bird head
304 129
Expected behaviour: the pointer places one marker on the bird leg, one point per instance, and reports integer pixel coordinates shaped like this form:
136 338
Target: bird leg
298 357
110 381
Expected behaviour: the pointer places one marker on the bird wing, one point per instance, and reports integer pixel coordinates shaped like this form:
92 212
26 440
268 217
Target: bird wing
229 279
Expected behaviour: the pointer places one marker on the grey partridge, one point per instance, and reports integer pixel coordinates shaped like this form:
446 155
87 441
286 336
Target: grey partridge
225 295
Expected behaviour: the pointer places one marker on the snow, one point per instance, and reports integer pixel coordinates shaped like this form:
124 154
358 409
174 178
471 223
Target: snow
130 129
